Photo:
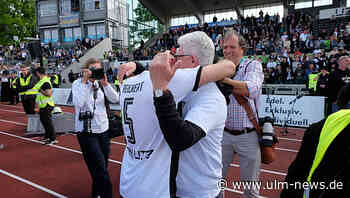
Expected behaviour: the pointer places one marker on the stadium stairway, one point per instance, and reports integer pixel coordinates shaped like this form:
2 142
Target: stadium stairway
152 41
96 52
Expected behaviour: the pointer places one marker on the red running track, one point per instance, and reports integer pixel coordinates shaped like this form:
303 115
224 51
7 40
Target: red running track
30 169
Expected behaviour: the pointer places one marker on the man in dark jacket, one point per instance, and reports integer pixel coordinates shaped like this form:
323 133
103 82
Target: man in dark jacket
331 171
338 79
322 83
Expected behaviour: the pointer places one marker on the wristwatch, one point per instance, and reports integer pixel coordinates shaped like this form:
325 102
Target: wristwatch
159 92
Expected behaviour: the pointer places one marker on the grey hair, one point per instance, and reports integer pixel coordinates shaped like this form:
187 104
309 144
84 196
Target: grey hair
229 33
200 45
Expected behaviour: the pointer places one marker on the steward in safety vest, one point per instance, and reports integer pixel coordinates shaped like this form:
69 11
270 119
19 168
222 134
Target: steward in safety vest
14 99
46 104
25 86
313 82
117 84
323 158
55 80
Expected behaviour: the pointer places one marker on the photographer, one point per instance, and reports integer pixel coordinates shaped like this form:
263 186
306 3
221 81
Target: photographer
91 123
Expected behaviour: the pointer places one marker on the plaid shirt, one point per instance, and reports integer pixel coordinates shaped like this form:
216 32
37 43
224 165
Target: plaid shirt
251 73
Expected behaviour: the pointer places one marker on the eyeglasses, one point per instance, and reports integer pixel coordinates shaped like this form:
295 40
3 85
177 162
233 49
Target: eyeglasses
179 55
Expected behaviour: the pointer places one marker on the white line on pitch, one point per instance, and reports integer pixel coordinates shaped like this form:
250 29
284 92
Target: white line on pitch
290 139
32 184
22 112
288 150
115 161
55 146
12 106
13 111
75 151
13 122
263 170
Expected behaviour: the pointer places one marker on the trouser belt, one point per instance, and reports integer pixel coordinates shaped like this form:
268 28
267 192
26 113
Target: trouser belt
239 132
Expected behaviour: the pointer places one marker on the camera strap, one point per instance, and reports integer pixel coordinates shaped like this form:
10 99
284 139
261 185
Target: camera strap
108 108
251 116
243 101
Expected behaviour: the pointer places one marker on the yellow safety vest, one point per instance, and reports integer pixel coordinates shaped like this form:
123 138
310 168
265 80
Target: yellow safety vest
13 83
41 99
116 82
56 79
334 124
312 82
23 83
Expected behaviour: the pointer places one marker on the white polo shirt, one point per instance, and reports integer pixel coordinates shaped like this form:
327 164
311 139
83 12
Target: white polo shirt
200 165
145 170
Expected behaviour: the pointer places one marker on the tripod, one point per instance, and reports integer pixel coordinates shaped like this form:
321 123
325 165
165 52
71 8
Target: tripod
285 126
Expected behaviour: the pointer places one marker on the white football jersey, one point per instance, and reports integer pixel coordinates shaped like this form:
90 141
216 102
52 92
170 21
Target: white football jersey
145 169
200 165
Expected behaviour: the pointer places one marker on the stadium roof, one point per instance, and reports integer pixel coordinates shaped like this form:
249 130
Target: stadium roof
164 9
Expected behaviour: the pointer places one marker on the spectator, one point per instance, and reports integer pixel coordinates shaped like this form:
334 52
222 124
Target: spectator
299 75
322 88
338 79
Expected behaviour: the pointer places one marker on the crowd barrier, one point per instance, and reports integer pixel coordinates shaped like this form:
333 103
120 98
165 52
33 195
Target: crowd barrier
64 96
301 112
285 89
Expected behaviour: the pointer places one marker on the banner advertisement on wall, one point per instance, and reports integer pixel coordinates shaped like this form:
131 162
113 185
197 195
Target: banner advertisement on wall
300 112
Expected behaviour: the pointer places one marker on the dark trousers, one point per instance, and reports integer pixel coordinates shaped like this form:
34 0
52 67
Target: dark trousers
46 121
5 91
95 148
14 99
28 102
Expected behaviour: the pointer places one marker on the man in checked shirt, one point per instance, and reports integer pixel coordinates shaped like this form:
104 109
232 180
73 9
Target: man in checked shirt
240 137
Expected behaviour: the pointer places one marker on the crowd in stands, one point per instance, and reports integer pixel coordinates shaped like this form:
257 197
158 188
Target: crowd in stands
56 57
289 49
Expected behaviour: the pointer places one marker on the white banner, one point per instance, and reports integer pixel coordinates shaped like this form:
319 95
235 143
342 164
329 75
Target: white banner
334 12
306 110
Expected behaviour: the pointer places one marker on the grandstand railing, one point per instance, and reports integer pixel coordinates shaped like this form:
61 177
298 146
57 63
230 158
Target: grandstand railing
285 89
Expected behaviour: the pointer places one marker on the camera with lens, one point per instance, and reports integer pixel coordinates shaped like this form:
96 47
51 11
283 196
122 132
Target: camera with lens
97 74
268 134
86 117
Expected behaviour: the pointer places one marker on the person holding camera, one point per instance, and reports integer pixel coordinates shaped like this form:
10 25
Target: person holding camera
240 136
91 123
46 104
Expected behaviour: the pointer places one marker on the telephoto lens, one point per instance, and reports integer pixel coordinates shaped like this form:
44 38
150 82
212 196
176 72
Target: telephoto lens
87 125
267 132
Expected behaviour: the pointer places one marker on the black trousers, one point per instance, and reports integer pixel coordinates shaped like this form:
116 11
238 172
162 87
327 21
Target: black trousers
5 91
14 99
46 121
28 102
96 149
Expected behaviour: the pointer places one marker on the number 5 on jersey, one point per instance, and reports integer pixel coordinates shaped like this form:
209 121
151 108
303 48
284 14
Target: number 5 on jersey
128 121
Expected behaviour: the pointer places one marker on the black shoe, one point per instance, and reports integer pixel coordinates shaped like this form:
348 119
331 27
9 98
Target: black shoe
51 142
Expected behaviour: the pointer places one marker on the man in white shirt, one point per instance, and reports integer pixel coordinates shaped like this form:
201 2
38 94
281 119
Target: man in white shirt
91 124
197 151
147 160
